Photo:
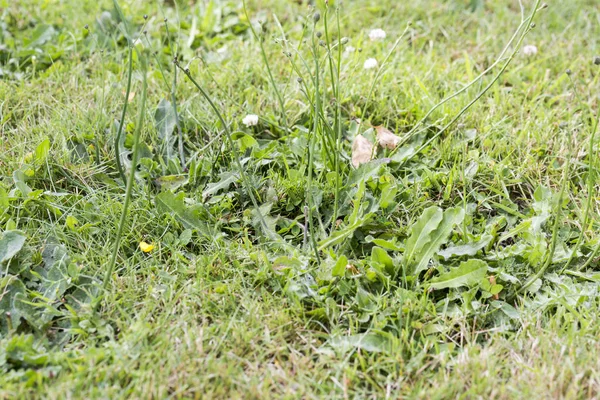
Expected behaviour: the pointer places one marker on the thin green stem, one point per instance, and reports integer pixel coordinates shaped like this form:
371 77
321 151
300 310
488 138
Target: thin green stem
131 178
236 157
500 57
557 220
123 113
481 93
334 72
590 183
311 149
266 61
173 94
380 69
127 91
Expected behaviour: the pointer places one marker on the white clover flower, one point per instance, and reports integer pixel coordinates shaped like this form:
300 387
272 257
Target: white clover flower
250 120
377 34
370 63
349 49
530 50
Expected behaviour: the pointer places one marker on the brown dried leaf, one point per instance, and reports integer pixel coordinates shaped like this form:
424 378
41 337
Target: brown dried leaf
385 138
362 150
130 97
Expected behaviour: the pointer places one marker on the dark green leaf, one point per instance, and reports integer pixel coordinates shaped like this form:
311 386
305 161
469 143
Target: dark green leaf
168 202
11 243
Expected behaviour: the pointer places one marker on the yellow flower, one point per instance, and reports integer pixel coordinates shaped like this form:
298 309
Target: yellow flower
146 247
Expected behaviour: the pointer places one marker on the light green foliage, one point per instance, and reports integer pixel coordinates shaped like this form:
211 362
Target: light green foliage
468 273
428 234
273 268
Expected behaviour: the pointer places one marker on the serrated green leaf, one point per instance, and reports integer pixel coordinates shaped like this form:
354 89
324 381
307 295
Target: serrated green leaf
227 178
428 234
468 273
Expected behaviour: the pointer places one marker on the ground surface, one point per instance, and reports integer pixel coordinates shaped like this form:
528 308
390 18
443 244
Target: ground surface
460 264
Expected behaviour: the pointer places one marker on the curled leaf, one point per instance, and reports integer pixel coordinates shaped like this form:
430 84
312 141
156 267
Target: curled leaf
386 138
362 150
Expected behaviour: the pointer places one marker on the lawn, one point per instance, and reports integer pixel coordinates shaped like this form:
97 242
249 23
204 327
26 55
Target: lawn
271 199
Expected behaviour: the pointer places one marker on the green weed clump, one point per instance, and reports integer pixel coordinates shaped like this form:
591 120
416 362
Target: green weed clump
253 200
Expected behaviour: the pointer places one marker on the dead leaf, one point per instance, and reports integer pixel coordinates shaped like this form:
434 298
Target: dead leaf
130 97
362 150
386 138
352 269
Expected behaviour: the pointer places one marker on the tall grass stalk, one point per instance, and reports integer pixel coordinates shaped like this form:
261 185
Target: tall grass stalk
557 212
127 90
525 26
591 180
311 141
335 73
268 66
131 178
380 69
123 113
173 90
236 157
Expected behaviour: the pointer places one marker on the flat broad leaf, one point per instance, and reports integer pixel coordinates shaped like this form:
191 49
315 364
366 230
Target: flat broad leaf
168 202
339 269
468 273
381 256
244 140
40 35
11 243
373 342
386 244
428 234
469 249
165 122
507 309
171 182
227 178
42 150
10 286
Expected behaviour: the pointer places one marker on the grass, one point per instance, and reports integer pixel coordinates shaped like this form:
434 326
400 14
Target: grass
286 272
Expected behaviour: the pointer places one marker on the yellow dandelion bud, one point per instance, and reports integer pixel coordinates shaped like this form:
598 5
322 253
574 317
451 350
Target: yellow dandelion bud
146 247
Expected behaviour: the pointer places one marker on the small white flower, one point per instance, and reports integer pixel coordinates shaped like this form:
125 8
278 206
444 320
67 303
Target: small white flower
530 50
377 34
250 120
370 63
349 49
